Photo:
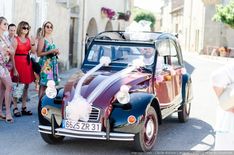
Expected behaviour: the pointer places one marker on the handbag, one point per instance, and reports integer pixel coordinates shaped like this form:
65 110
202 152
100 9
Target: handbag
18 89
36 66
9 65
226 99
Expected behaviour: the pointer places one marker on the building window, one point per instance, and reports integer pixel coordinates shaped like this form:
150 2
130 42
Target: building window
40 12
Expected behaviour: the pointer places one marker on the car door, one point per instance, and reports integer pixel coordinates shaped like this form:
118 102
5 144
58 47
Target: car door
175 62
163 80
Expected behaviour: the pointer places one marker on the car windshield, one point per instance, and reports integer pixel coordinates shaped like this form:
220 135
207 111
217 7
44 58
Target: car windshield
122 54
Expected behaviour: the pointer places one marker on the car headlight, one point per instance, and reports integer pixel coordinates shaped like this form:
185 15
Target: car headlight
123 95
51 91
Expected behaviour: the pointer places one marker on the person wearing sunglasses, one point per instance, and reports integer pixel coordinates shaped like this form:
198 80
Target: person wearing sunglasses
6 51
47 51
23 45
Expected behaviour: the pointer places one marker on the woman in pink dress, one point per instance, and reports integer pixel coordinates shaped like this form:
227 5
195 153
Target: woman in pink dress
23 45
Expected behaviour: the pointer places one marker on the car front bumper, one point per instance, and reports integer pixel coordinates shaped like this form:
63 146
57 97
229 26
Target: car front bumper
86 134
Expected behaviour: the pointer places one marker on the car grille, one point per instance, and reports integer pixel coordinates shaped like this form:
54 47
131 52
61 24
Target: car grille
94 116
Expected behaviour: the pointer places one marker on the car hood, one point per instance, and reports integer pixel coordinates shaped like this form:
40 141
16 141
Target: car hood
131 79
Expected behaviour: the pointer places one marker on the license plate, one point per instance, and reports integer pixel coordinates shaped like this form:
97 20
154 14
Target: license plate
82 126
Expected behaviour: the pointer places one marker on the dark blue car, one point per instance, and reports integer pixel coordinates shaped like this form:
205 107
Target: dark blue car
127 84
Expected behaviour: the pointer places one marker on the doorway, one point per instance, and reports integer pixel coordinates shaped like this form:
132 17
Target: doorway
73 42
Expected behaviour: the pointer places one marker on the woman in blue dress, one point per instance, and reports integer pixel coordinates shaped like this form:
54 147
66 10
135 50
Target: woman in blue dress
47 52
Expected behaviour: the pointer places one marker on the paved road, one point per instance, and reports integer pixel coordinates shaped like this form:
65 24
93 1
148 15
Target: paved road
22 137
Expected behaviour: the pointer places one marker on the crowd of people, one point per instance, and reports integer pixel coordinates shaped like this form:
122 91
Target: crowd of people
16 50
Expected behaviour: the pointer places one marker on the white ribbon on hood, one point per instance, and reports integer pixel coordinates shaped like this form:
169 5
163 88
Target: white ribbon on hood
80 108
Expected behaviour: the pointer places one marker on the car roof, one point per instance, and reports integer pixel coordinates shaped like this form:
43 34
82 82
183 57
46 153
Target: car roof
133 37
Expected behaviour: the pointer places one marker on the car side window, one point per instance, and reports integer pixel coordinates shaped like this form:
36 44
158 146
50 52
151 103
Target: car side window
175 61
163 55
94 53
163 48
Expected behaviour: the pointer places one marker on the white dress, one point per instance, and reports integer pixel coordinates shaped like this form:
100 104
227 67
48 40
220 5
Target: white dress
224 139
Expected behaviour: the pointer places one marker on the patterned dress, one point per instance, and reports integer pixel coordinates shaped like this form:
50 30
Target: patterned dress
49 65
4 58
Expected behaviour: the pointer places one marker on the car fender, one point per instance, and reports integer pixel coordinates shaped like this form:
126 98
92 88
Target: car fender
54 102
53 106
136 107
186 78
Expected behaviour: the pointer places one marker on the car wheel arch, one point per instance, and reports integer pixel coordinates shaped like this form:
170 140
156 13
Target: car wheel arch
186 80
156 106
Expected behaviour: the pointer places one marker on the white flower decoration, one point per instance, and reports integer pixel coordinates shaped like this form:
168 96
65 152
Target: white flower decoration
105 60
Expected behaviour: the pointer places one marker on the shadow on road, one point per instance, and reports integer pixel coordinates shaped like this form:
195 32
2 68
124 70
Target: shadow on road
173 136
190 68
85 146
192 135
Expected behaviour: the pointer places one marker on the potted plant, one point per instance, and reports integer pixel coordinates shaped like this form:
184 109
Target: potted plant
106 12
124 16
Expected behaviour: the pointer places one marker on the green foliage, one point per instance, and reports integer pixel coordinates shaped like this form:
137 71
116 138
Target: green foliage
146 16
225 14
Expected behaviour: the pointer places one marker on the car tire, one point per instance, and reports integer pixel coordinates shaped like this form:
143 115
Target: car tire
51 139
48 138
184 109
145 140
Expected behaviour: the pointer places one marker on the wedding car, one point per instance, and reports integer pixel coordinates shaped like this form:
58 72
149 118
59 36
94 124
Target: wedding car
128 83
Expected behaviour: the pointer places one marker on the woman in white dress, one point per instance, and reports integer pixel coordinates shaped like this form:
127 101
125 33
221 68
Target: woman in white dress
223 85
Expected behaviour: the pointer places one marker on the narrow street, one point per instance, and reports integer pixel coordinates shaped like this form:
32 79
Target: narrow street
22 136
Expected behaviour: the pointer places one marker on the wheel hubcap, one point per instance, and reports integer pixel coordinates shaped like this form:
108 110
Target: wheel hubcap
150 129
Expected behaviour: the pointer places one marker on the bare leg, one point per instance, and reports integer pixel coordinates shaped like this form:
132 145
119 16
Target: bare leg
14 102
15 109
37 81
24 110
1 97
8 88
25 94
41 91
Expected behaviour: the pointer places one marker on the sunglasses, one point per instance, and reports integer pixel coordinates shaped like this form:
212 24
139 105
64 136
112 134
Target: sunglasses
49 27
26 28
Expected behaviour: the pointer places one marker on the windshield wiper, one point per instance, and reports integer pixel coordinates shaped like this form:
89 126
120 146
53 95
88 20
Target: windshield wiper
117 59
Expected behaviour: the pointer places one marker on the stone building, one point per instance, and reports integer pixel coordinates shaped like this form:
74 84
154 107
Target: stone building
74 21
192 20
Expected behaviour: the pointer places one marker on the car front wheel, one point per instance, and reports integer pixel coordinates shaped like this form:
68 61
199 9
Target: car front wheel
145 139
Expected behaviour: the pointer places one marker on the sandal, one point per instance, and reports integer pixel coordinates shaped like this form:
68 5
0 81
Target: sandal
16 112
2 117
25 112
9 119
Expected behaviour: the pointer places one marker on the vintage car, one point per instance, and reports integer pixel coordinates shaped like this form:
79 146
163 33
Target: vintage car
128 83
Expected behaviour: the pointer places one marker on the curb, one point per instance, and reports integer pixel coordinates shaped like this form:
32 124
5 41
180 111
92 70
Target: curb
209 57
218 58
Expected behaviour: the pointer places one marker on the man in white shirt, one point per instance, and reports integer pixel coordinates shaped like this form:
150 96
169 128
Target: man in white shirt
11 32
148 53
223 85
